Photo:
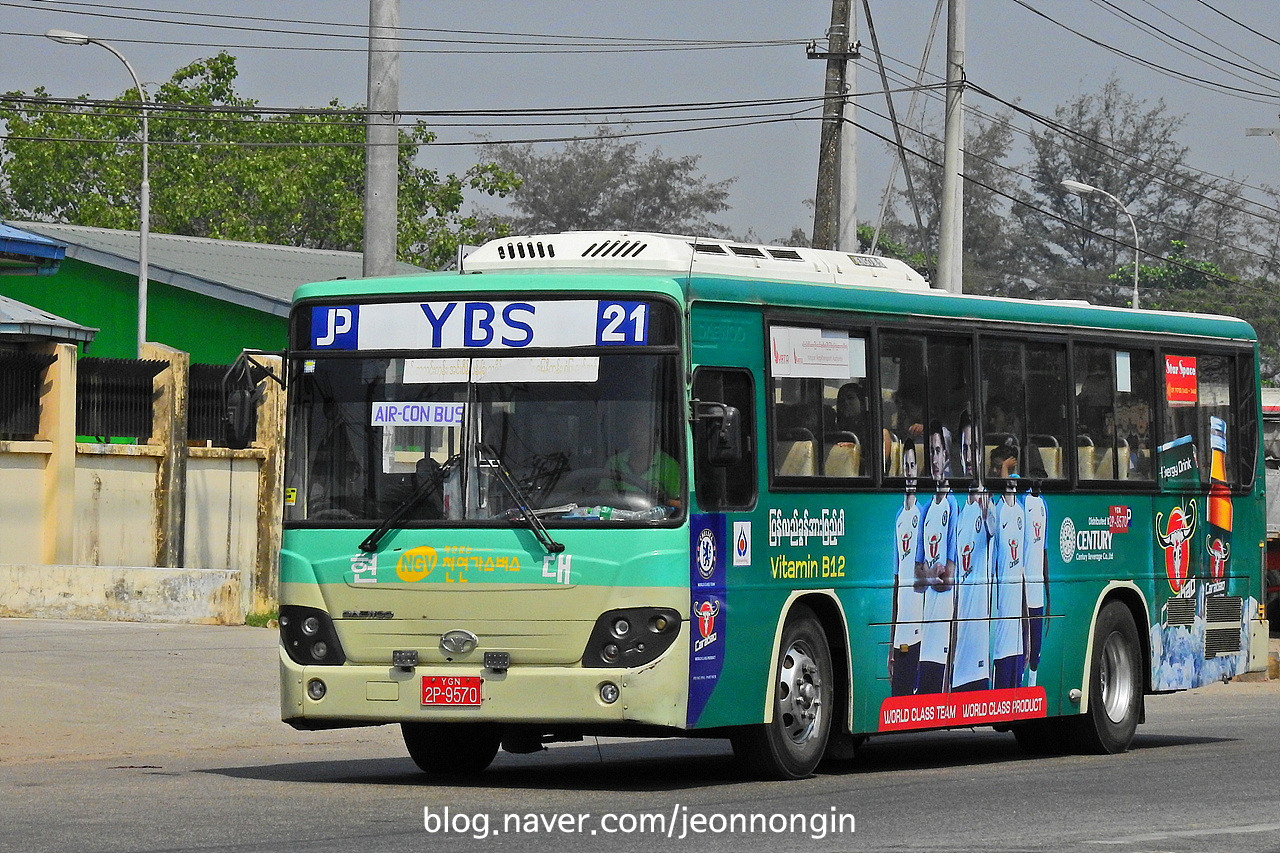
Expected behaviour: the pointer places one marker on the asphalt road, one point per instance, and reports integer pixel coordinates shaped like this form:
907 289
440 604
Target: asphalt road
134 737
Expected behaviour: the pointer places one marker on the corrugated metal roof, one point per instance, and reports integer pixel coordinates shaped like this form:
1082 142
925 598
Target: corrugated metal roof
19 320
255 275
25 253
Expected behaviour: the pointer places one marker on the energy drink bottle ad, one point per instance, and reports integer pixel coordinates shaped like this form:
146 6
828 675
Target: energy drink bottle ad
1218 538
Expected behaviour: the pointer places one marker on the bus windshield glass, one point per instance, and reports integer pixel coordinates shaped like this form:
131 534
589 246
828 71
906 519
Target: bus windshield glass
583 438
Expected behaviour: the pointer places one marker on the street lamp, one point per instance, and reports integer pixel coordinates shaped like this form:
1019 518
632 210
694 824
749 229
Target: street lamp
1084 189
144 226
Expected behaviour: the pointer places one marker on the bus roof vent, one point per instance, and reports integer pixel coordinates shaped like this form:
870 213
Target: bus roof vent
510 249
614 249
684 256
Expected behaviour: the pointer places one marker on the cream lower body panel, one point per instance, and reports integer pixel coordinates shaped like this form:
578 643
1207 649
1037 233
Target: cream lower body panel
655 694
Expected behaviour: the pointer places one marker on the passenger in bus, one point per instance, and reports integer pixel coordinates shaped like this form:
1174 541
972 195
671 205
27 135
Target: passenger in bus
851 408
908 585
938 566
1004 462
1005 423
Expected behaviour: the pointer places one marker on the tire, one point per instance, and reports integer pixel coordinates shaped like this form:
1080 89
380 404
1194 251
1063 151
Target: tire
463 749
791 746
1115 685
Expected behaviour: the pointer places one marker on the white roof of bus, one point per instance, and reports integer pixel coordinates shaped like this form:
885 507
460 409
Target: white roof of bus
615 251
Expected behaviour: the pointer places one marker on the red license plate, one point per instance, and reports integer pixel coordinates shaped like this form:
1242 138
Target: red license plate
451 690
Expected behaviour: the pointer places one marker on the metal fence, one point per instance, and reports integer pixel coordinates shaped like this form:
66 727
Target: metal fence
206 404
21 375
114 397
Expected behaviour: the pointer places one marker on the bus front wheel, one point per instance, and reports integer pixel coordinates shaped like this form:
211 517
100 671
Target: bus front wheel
463 749
1115 684
791 746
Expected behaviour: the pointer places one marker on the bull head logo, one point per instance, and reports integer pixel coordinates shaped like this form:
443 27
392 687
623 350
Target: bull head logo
1219 553
706 612
1175 539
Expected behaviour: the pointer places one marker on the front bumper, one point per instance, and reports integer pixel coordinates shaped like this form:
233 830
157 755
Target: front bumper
653 695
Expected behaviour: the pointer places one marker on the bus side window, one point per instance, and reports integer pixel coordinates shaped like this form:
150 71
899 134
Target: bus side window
902 372
1199 390
1025 408
1114 412
730 487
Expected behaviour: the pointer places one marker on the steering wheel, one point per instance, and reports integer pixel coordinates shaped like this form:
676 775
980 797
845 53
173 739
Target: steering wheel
600 481
332 513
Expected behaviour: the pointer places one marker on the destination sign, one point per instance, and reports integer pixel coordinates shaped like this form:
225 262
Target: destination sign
478 324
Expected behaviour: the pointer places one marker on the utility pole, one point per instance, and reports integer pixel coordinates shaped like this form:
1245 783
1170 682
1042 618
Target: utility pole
382 137
951 236
847 239
827 206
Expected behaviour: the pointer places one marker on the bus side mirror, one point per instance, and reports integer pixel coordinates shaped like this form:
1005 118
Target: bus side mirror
240 398
240 422
720 433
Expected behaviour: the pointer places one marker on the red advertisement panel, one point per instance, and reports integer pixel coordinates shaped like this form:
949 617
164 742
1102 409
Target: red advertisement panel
974 708
1180 379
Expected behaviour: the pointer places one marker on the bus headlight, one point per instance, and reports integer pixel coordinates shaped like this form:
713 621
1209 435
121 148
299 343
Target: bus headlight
632 636
309 637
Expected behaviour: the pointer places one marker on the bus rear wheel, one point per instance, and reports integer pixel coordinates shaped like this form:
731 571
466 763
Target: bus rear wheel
462 749
791 746
1115 684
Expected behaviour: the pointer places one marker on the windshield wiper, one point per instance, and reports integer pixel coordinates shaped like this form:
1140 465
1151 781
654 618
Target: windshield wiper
370 544
521 501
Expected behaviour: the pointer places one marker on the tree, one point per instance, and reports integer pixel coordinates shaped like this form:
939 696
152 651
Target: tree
1181 283
989 258
604 183
1113 141
222 168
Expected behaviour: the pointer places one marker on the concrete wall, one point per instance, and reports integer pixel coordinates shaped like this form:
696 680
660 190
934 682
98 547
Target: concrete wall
154 532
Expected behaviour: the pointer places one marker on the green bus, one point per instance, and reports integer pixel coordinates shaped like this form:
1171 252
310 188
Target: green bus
636 484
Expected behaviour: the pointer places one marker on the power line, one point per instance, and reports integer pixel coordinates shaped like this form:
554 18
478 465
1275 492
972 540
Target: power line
1063 220
1104 149
1213 8
360 29
1246 94
1184 47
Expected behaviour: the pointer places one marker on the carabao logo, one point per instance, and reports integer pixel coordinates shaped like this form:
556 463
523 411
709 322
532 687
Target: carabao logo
1175 539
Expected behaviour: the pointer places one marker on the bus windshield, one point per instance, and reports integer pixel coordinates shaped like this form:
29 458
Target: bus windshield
592 438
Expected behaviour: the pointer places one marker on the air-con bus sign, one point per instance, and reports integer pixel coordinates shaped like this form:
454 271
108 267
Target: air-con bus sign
475 324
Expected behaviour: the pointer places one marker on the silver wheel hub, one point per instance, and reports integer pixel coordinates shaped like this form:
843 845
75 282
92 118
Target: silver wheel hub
799 693
1117 677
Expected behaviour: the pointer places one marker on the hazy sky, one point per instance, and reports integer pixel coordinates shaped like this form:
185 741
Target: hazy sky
522 54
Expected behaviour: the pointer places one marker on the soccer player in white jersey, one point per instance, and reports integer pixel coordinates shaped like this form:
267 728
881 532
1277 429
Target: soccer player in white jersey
1037 577
971 655
938 563
1010 550
908 584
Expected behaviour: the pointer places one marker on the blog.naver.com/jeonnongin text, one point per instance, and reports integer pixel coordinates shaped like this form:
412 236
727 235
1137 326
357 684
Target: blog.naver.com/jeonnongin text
679 823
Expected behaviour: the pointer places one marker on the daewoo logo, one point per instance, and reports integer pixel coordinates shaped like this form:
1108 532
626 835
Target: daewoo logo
416 563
